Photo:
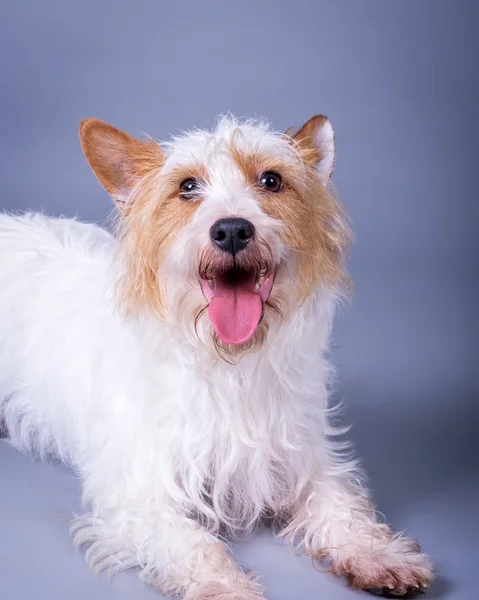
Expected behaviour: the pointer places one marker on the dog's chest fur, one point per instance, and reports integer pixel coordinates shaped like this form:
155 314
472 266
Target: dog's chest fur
237 437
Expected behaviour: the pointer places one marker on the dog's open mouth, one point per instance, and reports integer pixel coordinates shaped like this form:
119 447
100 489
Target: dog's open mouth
236 299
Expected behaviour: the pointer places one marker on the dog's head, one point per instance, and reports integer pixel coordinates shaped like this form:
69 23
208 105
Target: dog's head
224 233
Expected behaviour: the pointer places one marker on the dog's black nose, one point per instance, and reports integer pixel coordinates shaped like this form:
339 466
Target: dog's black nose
232 235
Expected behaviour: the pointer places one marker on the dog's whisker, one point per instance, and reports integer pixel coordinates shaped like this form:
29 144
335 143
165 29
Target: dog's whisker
300 251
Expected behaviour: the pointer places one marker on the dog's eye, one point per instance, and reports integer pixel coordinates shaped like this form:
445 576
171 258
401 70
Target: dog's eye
271 181
189 188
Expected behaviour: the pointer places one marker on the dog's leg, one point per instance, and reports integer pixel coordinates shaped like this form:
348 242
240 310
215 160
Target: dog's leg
173 553
336 520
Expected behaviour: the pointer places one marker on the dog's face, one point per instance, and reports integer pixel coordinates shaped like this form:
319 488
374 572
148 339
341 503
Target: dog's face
223 234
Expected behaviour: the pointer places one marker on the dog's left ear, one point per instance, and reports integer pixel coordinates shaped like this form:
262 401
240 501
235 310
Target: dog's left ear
315 141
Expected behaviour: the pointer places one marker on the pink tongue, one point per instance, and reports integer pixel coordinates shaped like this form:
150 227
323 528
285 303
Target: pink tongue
235 311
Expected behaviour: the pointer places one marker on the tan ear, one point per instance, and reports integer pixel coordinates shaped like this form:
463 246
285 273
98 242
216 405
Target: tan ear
316 144
117 159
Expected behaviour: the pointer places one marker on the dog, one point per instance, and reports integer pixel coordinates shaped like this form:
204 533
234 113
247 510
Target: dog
180 363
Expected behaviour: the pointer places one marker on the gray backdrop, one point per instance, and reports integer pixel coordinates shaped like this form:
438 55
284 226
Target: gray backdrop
399 82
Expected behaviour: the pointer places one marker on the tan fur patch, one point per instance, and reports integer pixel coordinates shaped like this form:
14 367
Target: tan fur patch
155 216
314 224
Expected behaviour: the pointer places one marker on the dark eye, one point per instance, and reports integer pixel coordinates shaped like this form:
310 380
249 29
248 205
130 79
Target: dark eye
271 181
189 188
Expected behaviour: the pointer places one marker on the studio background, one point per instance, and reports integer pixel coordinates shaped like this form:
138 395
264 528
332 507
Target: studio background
399 83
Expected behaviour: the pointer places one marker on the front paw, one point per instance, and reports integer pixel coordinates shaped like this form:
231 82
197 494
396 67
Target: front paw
398 568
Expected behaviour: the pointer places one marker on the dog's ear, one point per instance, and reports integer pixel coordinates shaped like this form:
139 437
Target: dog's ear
117 159
315 141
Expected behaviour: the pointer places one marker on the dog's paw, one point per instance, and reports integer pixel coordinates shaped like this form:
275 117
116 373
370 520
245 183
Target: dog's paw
219 591
398 569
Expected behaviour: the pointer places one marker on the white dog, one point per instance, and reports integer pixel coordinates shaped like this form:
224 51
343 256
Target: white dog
179 367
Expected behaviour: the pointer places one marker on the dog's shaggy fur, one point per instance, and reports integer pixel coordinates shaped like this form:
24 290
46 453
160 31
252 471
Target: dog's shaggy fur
188 385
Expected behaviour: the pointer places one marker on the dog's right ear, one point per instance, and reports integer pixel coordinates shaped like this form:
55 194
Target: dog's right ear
315 141
118 160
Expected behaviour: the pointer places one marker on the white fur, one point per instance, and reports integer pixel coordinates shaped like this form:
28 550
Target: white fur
327 146
153 424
